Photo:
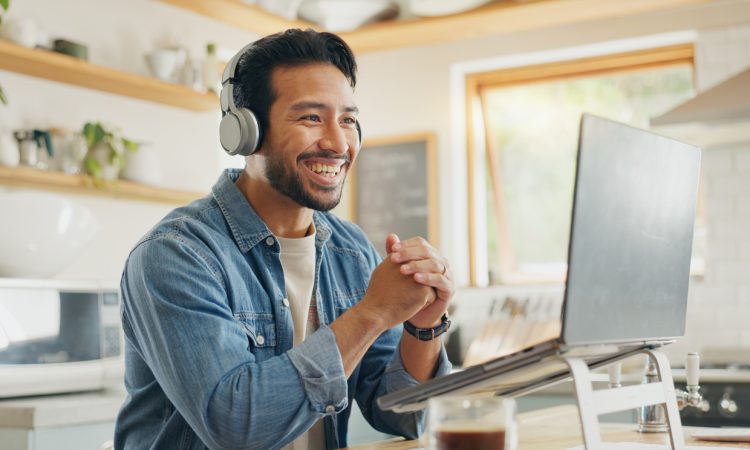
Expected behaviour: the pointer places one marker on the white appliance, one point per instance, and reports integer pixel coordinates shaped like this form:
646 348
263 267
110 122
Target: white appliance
58 337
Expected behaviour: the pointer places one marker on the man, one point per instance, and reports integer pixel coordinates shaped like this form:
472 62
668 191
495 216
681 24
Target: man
253 318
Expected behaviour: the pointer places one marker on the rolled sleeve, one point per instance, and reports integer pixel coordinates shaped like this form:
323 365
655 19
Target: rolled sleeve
322 372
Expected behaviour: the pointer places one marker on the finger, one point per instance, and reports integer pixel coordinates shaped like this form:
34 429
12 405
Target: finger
417 241
443 284
414 253
425 266
390 241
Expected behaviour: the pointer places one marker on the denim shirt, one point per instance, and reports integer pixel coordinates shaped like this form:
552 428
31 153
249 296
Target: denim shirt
208 337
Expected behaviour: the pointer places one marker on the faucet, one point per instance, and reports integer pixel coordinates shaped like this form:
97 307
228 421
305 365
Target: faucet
653 418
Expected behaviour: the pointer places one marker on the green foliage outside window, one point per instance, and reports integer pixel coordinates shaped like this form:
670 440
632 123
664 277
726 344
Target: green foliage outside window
535 134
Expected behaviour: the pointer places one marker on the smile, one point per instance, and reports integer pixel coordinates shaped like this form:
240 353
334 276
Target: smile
324 169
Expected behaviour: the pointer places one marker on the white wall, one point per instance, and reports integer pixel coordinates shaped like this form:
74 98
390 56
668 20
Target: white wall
400 91
720 301
118 34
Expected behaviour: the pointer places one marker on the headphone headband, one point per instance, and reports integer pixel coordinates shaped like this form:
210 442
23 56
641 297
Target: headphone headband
231 66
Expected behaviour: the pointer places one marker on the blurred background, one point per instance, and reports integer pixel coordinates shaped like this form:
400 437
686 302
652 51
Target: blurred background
109 119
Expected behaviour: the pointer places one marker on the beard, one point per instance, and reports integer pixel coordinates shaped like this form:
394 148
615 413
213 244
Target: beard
286 182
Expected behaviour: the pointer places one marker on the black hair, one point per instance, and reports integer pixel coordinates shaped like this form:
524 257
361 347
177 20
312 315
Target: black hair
293 47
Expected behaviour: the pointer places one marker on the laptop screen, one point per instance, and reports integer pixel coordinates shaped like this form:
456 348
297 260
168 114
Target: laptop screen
631 236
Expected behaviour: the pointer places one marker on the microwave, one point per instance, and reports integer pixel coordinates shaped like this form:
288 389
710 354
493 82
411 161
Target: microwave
58 337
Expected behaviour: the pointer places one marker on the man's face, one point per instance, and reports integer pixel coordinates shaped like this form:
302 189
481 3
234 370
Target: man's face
312 138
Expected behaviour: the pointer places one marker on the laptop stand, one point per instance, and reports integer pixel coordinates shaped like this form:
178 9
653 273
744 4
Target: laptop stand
592 404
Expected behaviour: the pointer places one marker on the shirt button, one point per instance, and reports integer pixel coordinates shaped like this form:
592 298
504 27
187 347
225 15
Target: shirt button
330 409
261 340
285 302
269 240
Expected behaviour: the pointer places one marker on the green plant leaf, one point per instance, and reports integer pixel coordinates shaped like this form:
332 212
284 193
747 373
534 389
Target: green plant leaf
90 134
113 154
5 4
93 167
99 132
130 145
94 133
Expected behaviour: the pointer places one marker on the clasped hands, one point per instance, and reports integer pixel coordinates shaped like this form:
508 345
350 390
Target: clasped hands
414 282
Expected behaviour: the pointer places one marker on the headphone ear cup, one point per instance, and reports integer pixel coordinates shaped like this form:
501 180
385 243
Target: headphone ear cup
239 132
230 133
250 132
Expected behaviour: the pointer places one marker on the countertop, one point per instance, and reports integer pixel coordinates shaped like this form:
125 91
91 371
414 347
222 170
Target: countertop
61 410
554 428
558 428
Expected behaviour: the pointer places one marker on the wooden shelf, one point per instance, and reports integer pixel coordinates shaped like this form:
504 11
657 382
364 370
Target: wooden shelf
493 19
26 177
65 69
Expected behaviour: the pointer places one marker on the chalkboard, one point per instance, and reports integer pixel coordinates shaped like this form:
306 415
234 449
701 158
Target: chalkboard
394 189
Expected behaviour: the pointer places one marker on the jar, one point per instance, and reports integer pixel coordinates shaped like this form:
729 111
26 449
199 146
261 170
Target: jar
69 150
9 150
28 149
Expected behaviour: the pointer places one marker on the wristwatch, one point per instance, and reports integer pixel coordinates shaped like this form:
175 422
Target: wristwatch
428 334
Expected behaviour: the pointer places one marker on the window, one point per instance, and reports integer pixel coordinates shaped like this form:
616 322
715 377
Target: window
529 121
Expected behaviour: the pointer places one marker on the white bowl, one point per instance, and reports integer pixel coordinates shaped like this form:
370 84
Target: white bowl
163 63
345 15
284 8
41 233
142 166
434 8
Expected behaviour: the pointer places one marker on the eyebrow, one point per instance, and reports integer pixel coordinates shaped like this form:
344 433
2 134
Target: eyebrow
317 105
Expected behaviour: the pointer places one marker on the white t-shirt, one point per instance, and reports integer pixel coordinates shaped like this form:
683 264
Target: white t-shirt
298 263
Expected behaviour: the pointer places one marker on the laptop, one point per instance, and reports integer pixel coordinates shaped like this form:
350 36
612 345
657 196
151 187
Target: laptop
631 238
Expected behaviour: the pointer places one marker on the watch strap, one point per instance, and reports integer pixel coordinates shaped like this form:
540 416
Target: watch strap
428 334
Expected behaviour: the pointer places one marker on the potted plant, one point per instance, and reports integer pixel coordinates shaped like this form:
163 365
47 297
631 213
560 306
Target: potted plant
4 4
106 151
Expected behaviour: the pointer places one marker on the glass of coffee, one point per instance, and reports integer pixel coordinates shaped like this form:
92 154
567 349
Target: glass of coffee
471 423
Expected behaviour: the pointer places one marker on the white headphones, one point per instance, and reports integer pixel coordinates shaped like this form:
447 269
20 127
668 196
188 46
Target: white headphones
239 131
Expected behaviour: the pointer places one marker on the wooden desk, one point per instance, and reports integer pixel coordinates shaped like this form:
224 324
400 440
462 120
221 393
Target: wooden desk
558 428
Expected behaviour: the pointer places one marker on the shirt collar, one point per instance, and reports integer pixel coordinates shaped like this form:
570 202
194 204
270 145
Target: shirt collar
247 228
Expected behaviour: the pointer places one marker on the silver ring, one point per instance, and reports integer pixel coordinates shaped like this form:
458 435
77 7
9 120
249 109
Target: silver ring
445 269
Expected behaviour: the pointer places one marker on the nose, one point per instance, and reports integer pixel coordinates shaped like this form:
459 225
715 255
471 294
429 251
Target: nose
336 139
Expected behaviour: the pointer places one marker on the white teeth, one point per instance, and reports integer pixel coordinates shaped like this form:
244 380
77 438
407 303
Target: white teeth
323 169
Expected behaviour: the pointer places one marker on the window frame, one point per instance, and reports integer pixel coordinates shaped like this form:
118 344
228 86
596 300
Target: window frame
478 136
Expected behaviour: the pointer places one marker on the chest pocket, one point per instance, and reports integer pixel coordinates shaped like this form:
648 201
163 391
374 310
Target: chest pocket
352 277
260 329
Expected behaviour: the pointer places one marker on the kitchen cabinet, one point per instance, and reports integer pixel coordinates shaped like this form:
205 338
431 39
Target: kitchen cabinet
62 422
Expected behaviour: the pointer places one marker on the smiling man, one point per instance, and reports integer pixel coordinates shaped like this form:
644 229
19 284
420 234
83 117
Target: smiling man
253 317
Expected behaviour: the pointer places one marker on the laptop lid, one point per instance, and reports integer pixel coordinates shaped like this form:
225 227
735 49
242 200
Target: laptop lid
631 235
628 264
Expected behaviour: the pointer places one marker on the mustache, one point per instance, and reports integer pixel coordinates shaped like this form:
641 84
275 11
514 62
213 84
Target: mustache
323 154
